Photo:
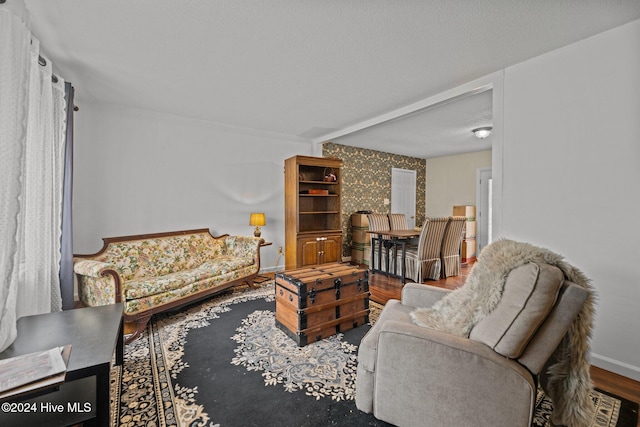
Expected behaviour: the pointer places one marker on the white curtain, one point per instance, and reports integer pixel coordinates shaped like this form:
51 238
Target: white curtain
32 132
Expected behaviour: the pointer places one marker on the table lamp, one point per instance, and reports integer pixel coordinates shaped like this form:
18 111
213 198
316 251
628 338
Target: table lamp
258 220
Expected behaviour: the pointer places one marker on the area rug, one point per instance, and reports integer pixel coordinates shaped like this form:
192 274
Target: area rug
224 363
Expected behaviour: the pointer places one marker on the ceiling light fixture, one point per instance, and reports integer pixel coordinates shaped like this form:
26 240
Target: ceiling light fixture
482 132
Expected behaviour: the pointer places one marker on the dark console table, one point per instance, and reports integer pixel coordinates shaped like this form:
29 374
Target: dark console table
94 334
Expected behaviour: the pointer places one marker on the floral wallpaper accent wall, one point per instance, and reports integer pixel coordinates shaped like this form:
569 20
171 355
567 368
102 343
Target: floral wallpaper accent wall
366 182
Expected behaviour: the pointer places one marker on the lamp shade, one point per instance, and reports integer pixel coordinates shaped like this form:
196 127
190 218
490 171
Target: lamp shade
257 219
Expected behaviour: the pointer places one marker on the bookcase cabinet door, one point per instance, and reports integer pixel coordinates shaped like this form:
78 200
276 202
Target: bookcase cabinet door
319 250
331 249
308 252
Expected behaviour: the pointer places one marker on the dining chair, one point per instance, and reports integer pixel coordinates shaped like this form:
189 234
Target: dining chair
397 221
423 262
451 245
378 222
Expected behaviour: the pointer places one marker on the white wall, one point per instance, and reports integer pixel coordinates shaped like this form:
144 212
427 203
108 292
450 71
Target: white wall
451 181
142 172
571 159
570 187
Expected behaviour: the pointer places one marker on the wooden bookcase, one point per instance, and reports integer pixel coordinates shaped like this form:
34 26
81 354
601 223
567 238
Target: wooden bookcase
313 230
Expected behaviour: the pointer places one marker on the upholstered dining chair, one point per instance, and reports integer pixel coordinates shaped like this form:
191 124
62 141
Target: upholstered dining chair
378 222
451 244
397 221
423 262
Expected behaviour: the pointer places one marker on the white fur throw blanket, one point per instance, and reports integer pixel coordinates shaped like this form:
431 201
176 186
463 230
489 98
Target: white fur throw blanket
569 384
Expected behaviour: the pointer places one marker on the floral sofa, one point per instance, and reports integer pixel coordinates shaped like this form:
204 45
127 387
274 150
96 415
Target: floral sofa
155 272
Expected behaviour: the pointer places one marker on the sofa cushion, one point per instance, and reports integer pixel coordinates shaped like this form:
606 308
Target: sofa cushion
530 291
160 256
225 264
155 285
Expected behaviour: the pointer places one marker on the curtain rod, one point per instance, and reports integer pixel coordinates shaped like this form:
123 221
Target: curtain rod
43 62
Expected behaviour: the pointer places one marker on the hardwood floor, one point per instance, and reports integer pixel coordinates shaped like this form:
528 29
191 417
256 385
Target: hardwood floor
383 288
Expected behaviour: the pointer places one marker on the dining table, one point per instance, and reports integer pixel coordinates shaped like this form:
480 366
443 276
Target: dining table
388 239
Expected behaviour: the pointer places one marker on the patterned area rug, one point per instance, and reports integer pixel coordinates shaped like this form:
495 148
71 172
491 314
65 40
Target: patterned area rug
223 362
327 369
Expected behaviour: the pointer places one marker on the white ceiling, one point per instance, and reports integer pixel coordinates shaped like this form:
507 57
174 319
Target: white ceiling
441 130
303 68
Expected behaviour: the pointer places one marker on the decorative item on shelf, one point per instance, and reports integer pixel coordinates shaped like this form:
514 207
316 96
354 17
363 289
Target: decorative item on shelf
258 220
329 175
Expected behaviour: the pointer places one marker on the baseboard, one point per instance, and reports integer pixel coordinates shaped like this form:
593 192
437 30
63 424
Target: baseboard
615 366
276 269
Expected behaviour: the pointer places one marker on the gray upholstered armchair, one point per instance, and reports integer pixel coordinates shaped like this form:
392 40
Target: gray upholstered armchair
411 375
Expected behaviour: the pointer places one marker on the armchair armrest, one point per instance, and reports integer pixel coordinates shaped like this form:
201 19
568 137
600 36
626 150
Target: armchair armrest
418 295
243 246
90 267
98 282
416 366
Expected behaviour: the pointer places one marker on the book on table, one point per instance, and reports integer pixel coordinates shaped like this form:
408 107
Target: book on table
29 372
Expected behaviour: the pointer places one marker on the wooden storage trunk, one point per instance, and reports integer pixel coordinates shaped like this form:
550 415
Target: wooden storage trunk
314 303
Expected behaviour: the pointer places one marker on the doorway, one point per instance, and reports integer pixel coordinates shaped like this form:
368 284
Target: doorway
403 194
484 207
